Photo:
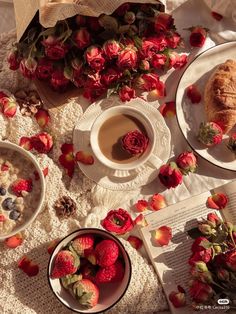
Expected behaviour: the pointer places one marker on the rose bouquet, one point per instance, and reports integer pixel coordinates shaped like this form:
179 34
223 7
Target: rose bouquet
213 262
115 53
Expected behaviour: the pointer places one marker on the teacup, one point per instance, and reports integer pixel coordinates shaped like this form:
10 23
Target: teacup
146 156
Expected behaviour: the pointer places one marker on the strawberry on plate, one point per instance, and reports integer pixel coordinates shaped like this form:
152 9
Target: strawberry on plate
82 243
86 292
107 252
65 263
112 273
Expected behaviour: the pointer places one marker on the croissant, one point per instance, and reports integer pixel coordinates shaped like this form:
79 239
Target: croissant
220 96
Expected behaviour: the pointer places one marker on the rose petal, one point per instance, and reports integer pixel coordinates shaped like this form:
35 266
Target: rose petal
28 267
135 242
42 117
217 201
141 205
14 241
84 157
140 220
168 109
193 94
162 235
25 142
216 16
157 202
67 148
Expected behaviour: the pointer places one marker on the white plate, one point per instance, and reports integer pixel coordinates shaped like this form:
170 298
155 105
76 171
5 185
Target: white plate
191 115
121 179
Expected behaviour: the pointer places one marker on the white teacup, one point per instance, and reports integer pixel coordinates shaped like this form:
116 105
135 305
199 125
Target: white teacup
147 156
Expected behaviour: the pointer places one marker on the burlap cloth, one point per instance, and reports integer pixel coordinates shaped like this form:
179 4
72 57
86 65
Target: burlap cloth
20 294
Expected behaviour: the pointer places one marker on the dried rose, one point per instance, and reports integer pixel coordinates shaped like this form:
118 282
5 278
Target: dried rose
168 109
144 65
127 59
44 69
187 162
178 299
94 58
170 175
54 48
111 76
147 81
28 68
93 24
13 60
163 22
198 36
135 242
200 292
193 94
230 260
80 20
232 143
162 235
213 219
42 142
217 201
141 205
158 61
58 81
82 38
177 61
135 142
126 93
173 39
118 221
157 202
111 48
210 133
151 46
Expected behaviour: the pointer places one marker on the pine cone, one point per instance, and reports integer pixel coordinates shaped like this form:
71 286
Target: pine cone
29 102
65 206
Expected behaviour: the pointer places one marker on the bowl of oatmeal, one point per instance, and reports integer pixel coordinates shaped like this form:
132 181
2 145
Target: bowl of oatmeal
22 189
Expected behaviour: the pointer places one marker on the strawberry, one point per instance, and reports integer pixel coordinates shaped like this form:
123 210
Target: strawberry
82 243
84 157
112 273
86 293
28 266
14 241
65 263
9 106
107 252
42 117
88 271
21 185
210 133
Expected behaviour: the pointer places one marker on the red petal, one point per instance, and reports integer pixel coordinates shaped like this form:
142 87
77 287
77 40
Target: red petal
141 205
42 117
45 171
217 201
67 148
193 94
168 109
163 235
216 16
135 242
84 157
140 220
23 263
14 241
26 143
28 267
157 202
32 270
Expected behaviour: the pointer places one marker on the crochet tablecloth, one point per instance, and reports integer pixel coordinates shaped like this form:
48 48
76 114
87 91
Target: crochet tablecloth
21 294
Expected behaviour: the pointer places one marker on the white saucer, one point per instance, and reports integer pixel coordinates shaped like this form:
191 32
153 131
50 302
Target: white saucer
121 179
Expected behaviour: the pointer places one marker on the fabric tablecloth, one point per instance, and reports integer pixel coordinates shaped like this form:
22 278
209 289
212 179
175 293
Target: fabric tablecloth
20 294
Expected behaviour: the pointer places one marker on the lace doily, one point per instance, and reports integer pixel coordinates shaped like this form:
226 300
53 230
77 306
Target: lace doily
21 294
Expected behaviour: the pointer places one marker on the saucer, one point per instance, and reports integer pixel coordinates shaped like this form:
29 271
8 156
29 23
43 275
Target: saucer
121 179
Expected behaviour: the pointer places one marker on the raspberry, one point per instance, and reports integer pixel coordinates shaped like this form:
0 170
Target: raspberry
107 252
111 273
21 185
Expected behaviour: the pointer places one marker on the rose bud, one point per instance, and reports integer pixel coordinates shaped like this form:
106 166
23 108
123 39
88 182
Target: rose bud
111 76
177 61
126 93
205 229
151 46
217 201
111 48
42 117
178 299
147 81
223 274
42 142
144 65
54 48
13 60
200 292
210 133
141 206
198 36
9 106
158 61
82 38
127 58
129 17
217 249
44 69
118 221
163 22
134 142
58 81
80 20
200 266
94 58
214 219
232 143
173 39
187 162
157 202
93 23
193 93
170 175
197 244
121 10
230 260
28 68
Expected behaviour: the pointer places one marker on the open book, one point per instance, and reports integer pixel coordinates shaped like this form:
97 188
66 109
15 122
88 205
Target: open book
171 261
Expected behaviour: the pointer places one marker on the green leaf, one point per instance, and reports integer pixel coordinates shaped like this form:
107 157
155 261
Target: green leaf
194 233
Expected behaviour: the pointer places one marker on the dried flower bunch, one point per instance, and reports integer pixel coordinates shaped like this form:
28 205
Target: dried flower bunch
116 53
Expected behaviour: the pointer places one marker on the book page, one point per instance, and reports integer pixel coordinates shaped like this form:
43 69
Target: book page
171 261
229 212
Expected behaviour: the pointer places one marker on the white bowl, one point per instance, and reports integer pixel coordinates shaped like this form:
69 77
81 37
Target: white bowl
110 293
29 156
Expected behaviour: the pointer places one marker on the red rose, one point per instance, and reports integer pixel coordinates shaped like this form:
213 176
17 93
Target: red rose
170 175
187 162
82 38
196 246
14 60
177 61
198 36
42 142
111 48
126 93
205 256
58 81
158 61
135 142
173 40
111 76
94 58
144 65
118 221
148 81
54 48
152 46
44 69
214 219
163 22
200 292
28 68
230 260
122 9
127 58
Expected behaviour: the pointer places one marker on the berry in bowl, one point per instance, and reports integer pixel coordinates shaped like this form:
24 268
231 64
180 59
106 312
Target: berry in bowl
22 189
89 271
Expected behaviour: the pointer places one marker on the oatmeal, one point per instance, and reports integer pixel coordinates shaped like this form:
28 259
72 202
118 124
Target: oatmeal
20 190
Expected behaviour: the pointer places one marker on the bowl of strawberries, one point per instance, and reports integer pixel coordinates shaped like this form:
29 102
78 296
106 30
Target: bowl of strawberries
89 270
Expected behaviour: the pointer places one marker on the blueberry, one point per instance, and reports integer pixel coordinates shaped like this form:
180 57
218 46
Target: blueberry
7 203
14 215
3 191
